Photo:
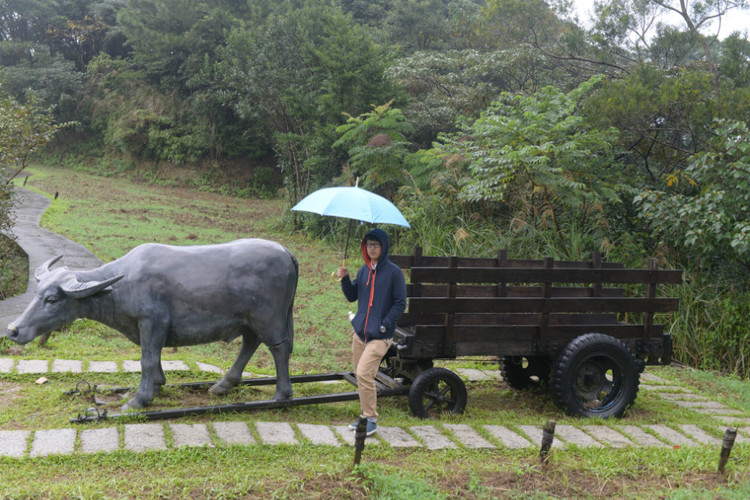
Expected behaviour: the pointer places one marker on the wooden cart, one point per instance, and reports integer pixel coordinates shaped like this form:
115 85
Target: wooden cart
550 323
585 330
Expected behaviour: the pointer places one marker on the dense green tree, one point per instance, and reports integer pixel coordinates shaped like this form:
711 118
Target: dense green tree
296 74
639 26
443 86
369 12
24 20
46 46
135 118
170 38
79 40
703 212
506 23
734 62
174 43
418 24
665 118
54 79
537 155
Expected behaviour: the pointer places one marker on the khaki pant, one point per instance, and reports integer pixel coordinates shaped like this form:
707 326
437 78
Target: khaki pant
367 358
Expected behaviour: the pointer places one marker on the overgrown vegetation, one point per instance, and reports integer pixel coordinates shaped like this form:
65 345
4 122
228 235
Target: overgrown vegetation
24 129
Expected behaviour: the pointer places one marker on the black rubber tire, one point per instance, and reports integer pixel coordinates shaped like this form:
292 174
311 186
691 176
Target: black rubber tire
594 376
526 372
436 391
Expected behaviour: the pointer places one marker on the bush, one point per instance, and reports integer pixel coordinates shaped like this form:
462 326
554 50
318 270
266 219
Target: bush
711 330
13 268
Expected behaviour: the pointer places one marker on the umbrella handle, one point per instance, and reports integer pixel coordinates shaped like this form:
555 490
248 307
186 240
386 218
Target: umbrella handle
336 279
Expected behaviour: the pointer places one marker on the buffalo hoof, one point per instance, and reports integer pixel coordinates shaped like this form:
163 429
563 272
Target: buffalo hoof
221 387
134 404
282 395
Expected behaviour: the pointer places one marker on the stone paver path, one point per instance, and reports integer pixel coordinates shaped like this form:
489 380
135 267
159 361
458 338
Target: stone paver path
433 436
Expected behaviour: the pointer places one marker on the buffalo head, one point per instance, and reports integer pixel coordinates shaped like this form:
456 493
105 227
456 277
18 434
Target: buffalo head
56 303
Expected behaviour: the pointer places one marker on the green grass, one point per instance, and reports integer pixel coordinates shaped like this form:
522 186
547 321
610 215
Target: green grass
112 215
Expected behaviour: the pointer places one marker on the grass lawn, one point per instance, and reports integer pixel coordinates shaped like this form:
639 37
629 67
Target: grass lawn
111 215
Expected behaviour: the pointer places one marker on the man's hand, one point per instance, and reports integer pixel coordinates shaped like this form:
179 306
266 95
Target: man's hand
342 271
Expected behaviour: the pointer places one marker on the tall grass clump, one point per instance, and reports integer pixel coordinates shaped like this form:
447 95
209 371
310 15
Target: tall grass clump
444 225
711 329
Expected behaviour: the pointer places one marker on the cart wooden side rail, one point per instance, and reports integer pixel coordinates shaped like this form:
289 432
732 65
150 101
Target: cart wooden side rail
529 312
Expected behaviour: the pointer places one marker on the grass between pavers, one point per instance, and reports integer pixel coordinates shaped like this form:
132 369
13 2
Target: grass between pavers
110 216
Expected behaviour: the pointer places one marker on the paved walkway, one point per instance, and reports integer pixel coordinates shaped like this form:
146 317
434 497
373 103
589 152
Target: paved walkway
40 245
140 437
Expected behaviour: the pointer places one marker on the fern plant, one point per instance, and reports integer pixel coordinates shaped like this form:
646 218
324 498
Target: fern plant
377 147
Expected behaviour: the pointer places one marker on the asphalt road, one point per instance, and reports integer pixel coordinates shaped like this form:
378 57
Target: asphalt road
40 245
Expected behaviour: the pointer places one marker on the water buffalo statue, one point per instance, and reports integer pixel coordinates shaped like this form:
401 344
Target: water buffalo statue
164 296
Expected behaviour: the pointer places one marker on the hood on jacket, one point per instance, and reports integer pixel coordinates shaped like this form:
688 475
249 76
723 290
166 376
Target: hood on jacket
382 237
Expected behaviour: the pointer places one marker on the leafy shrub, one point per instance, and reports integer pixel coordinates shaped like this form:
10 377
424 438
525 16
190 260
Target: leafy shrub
6 243
703 212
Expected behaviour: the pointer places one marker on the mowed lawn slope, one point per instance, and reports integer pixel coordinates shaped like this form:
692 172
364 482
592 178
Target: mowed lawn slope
111 215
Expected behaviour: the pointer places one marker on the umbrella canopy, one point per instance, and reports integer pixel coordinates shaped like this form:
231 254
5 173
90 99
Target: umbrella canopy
352 203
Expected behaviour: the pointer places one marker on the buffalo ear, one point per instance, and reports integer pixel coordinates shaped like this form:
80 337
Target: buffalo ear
77 290
44 268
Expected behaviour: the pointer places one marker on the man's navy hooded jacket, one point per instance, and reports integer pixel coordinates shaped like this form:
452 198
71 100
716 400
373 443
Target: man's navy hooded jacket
381 293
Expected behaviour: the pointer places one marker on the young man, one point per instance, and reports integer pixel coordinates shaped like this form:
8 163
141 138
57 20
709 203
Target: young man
380 289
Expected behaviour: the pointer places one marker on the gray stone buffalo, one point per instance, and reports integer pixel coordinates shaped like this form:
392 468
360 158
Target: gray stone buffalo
163 296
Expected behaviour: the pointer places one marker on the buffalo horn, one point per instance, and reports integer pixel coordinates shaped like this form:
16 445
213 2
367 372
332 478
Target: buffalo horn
78 290
44 268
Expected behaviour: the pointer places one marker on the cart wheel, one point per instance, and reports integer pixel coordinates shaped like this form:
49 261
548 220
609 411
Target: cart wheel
437 390
594 376
525 372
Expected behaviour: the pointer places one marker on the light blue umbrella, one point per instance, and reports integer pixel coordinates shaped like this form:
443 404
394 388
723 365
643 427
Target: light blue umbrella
352 203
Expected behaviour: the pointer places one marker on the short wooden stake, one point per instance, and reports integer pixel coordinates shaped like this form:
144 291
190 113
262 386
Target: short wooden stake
359 439
547 437
726 448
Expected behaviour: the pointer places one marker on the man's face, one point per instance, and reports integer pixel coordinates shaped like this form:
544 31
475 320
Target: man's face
374 249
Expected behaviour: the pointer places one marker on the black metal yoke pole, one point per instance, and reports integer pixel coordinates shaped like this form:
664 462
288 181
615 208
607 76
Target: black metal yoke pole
202 410
295 379
394 389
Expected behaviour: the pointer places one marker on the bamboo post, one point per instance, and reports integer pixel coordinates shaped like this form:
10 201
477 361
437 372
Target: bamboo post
726 448
548 436
359 439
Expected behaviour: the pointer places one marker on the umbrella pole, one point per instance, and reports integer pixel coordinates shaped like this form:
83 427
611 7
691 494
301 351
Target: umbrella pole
348 235
346 249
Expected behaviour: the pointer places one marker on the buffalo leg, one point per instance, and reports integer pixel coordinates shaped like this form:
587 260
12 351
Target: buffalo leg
250 343
152 374
281 353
